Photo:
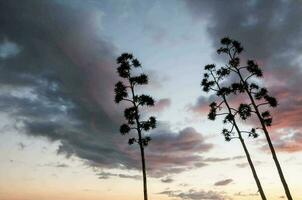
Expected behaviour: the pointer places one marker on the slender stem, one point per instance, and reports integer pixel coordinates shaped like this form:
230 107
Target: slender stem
243 144
272 149
286 188
141 145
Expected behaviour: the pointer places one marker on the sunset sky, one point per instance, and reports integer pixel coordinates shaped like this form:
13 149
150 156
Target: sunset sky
60 139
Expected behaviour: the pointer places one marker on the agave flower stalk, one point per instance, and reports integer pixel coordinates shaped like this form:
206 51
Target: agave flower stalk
125 91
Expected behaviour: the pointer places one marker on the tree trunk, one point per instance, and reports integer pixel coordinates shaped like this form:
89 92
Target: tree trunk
141 146
252 168
144 171
250 163
247 154
272 149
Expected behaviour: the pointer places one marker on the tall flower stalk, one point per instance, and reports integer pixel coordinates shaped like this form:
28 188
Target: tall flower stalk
125 91
259 98
213 81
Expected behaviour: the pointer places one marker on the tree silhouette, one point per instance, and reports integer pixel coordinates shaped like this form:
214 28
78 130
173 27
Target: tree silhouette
213 80
125 91
259 98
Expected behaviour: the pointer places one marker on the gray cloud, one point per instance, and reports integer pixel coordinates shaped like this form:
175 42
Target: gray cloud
107 175
216 159
242 194
252 23
292 143
172 152
167 180
161 105
245 164
223 182
270 32
21 146
60 85
57 79
195 195
57 165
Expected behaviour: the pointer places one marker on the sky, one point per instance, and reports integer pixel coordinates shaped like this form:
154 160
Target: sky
60 139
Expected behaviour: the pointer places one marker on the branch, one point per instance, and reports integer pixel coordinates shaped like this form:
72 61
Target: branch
125 99
262 104
218 106
133 128
230 68
246 132
249 77
214 89
239 68
221 114
236 111
232 128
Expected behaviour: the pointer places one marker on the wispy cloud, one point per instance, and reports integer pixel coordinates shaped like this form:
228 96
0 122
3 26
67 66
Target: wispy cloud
107 175
223 182
196 195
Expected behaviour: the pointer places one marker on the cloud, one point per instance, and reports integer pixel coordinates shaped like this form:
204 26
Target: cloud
60 86
171 152
8 49
107 175
223 182
201 106
167 180
160 105
242 194
252 22
21 146
245 164
57 165
242 165
195 195
290 144
216 159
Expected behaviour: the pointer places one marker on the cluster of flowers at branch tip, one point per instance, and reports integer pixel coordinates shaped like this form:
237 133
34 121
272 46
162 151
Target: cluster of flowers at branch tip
125 91
213 80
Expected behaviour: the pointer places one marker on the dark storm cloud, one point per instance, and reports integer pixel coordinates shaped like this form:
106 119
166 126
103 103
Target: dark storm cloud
57 76
63 77
271 33
267 29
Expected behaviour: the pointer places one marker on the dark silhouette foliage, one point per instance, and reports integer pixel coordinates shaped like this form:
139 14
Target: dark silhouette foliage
259 99
214 81
125 91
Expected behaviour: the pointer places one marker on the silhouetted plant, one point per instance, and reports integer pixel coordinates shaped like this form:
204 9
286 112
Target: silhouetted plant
125 91
213 81
259 98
